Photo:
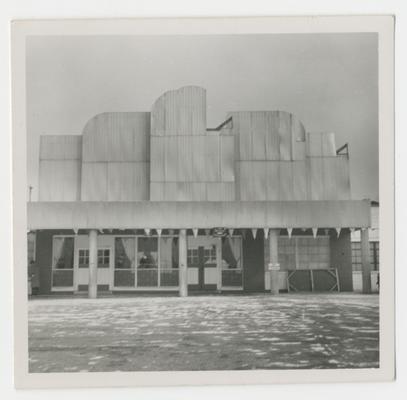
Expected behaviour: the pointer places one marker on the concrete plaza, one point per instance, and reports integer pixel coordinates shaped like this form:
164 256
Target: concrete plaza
227 332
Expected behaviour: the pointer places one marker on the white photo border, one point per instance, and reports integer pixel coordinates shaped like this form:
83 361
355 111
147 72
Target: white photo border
383 25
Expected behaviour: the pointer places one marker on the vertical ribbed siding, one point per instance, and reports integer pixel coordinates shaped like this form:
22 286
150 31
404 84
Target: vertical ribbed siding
60 167
277 160
188 163
116 157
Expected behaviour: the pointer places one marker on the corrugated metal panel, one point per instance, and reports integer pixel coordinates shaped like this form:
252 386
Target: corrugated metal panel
182 160
220 191
94 182
299 172
330 181
59 180
298 139
286 188
343 178
285 136
273 180
61 147
212 158
227 146
272 137
253 180
158 118
171 158
191 191
157 191
120 185
315 185
236 214
199 173
117 137
157 159
259 134
245 136
170 191
128 181
259 177
245 180
328 144
180 112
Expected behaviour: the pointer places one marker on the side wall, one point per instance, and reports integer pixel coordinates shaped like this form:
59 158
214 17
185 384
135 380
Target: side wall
341 258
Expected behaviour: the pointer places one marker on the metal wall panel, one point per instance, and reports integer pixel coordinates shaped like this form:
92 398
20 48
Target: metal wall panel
182 160
245 135
273 180
220 191
212 158
246 181
298 139
120 182
198 160
181 215
315 185
157 191
299 173
272 137
180 112
328 144
59 180
259 180
60 147
128 181
191 191
253 181
286 187
259 134
171 158
227 158
329 175
157 159
343 178
94 181
121 136
285 136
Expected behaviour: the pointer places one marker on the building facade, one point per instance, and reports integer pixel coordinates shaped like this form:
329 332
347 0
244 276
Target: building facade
374 252
156 201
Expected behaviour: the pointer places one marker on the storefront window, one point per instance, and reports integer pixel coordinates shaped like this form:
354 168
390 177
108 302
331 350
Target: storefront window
63 252
124 257
147 262
63 260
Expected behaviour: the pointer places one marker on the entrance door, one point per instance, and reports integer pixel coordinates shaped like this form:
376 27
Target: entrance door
103 273
202 263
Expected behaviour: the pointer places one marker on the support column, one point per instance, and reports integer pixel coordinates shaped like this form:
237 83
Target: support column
182 254
274 266
93 264
366 268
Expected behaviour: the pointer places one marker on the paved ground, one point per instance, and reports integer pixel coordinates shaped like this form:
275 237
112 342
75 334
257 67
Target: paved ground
204 333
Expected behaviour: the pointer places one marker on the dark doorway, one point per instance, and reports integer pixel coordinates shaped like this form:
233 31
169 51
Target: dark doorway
253 262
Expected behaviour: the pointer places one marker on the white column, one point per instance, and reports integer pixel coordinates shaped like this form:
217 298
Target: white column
93 264
219 263
182 254
366 268
274 266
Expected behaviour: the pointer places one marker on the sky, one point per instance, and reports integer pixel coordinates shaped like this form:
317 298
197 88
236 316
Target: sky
329 81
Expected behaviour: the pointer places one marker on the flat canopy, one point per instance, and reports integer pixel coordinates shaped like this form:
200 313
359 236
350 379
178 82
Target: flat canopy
190 214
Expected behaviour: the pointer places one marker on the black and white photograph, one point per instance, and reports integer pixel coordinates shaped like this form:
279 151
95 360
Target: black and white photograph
203 202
